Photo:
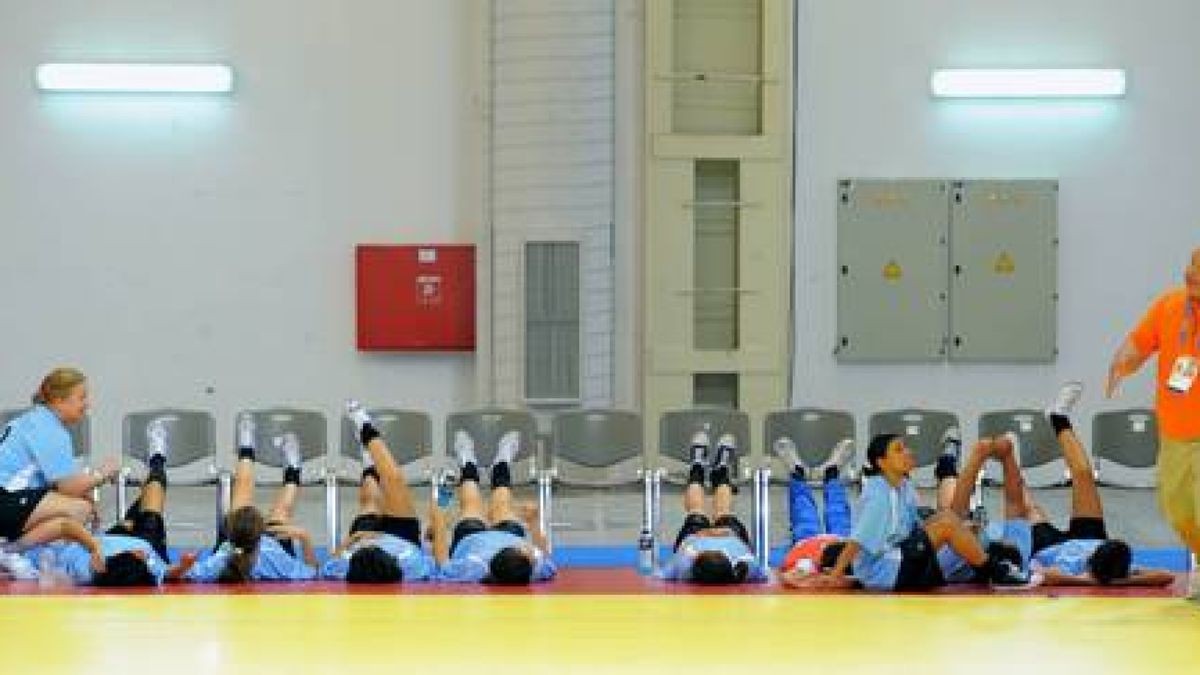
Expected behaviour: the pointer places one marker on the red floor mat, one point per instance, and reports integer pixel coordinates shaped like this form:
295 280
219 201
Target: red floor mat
594 581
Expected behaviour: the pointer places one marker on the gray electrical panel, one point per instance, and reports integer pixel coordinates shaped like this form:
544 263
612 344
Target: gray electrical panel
1003 281
892 270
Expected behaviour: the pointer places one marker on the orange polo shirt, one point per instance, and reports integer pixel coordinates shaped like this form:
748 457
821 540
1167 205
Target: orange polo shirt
1171 330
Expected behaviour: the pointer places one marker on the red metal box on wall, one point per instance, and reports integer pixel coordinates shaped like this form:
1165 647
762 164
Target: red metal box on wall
416 297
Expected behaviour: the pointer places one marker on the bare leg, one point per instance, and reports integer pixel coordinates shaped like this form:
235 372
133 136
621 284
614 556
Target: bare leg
396 498
470 500
960 499
693 498
54 505
501 507
1085 497
722 501
243 484
945 528
368 495
153 496
285 504
1036 513
1015 494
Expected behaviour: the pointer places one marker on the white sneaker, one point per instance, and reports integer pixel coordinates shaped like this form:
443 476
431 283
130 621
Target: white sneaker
726 447
785 449
698 450
245 431
464 448
1064 402
840 456
156 437
357 414
289 445
951 437
506 450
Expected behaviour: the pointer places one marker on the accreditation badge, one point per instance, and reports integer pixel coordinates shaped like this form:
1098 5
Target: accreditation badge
1183 374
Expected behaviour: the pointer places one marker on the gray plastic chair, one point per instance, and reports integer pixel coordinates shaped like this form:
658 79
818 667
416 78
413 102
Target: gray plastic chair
675 430
815 431
408 434
191 450
596 448
81 434
1041 458
1125 447
486 426
922 432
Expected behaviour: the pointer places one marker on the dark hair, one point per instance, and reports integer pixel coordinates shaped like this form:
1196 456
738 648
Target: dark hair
1110 561
877 449
122 570
510 566
373 565
713 568
1003 550
244 526
830 555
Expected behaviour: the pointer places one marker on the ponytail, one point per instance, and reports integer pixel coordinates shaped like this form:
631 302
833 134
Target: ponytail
244 527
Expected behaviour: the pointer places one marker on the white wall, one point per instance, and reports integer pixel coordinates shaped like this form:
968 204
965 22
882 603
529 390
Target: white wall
1128 171
200 252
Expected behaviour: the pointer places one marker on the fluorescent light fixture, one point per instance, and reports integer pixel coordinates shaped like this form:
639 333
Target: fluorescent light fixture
1028 83
135 78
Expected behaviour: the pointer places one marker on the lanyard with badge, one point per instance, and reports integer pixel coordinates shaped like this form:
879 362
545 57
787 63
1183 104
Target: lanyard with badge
1186 368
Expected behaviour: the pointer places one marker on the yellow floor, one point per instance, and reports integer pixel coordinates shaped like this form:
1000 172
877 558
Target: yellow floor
487 634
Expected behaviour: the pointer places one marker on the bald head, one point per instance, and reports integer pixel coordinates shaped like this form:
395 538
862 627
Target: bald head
1192 276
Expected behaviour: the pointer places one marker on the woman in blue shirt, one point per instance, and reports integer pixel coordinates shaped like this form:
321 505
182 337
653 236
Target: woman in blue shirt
258 548
716 549
384 545
38 477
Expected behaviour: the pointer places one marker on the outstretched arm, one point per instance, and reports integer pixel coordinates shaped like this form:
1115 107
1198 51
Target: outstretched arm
1127 361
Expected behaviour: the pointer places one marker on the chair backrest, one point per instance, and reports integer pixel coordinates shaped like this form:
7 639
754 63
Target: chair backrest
1039 445
1126 437
81 434
308 425
676 427
921 429
596 438
191 435
408 434
487 425
815 431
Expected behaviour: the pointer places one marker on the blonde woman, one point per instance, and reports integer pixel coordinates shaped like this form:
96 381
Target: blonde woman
38 476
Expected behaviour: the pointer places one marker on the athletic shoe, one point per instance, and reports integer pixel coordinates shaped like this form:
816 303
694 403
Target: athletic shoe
506 449
785 449
245 431
357 414
840 456
698 450
289 445
1064 402
464 448
156 437
951 442
726 447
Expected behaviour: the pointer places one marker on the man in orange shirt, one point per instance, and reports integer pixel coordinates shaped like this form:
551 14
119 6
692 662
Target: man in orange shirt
1171 328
